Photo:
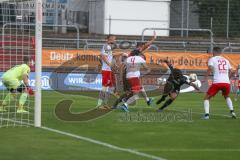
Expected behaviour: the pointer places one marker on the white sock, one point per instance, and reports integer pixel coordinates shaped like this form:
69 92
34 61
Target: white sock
229 103
144 94
102 96
132 99
105 89
206 106
99 102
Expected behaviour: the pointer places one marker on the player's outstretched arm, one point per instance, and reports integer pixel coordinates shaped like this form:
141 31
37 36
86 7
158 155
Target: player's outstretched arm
117 53
194 86
149 42
168 64
25 79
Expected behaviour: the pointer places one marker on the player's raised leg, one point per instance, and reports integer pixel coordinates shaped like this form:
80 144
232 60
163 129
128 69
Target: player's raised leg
163 98
135 89
172 97
123 98
168 87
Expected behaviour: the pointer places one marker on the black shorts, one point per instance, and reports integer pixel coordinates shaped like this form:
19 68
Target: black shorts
19 89
170 87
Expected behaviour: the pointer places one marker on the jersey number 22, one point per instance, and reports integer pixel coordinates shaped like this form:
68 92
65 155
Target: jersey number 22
222 65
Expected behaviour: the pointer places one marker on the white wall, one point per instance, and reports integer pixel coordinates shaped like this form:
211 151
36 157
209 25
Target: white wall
130 17
96 16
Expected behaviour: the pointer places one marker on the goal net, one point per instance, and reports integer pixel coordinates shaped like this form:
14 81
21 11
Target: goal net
18 33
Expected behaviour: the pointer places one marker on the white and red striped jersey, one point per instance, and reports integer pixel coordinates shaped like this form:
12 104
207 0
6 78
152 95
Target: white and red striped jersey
107 51
134 64
221 67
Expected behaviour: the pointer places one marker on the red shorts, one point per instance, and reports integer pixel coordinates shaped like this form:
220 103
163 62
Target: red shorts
135 84
214 88
238 83
107 79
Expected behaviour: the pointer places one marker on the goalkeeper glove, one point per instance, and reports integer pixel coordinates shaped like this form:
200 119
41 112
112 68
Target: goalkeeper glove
30 91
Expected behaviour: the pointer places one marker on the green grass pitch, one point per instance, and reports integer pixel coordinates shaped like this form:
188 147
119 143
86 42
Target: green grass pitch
193 139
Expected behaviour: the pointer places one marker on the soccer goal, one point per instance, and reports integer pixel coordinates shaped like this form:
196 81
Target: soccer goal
21 37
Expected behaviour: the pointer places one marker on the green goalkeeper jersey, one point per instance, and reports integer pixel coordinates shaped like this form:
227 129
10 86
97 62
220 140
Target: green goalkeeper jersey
16 73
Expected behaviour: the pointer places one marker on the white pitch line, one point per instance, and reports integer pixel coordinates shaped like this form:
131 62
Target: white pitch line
110 145
94 141
104 144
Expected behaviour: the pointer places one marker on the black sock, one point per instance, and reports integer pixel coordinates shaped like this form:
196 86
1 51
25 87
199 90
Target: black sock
119 100
206 115
167 103
231 111
162 99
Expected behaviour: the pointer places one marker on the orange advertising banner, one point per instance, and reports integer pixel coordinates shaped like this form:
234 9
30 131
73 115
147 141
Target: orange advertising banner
69 58
189 61
181 60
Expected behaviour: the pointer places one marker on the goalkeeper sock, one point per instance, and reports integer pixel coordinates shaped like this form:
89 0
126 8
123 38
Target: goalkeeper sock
162 99
9 97
22 100
229 103
206 106
167 103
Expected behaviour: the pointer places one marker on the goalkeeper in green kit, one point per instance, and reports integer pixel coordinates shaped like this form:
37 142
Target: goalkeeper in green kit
16 81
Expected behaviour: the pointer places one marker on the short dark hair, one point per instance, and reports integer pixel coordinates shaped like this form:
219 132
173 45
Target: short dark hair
135 52
26 59
140 44
217 50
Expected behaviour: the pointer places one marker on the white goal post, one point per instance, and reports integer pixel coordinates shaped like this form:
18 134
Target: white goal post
38 63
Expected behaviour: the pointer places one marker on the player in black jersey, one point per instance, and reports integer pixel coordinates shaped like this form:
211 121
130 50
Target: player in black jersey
172 87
